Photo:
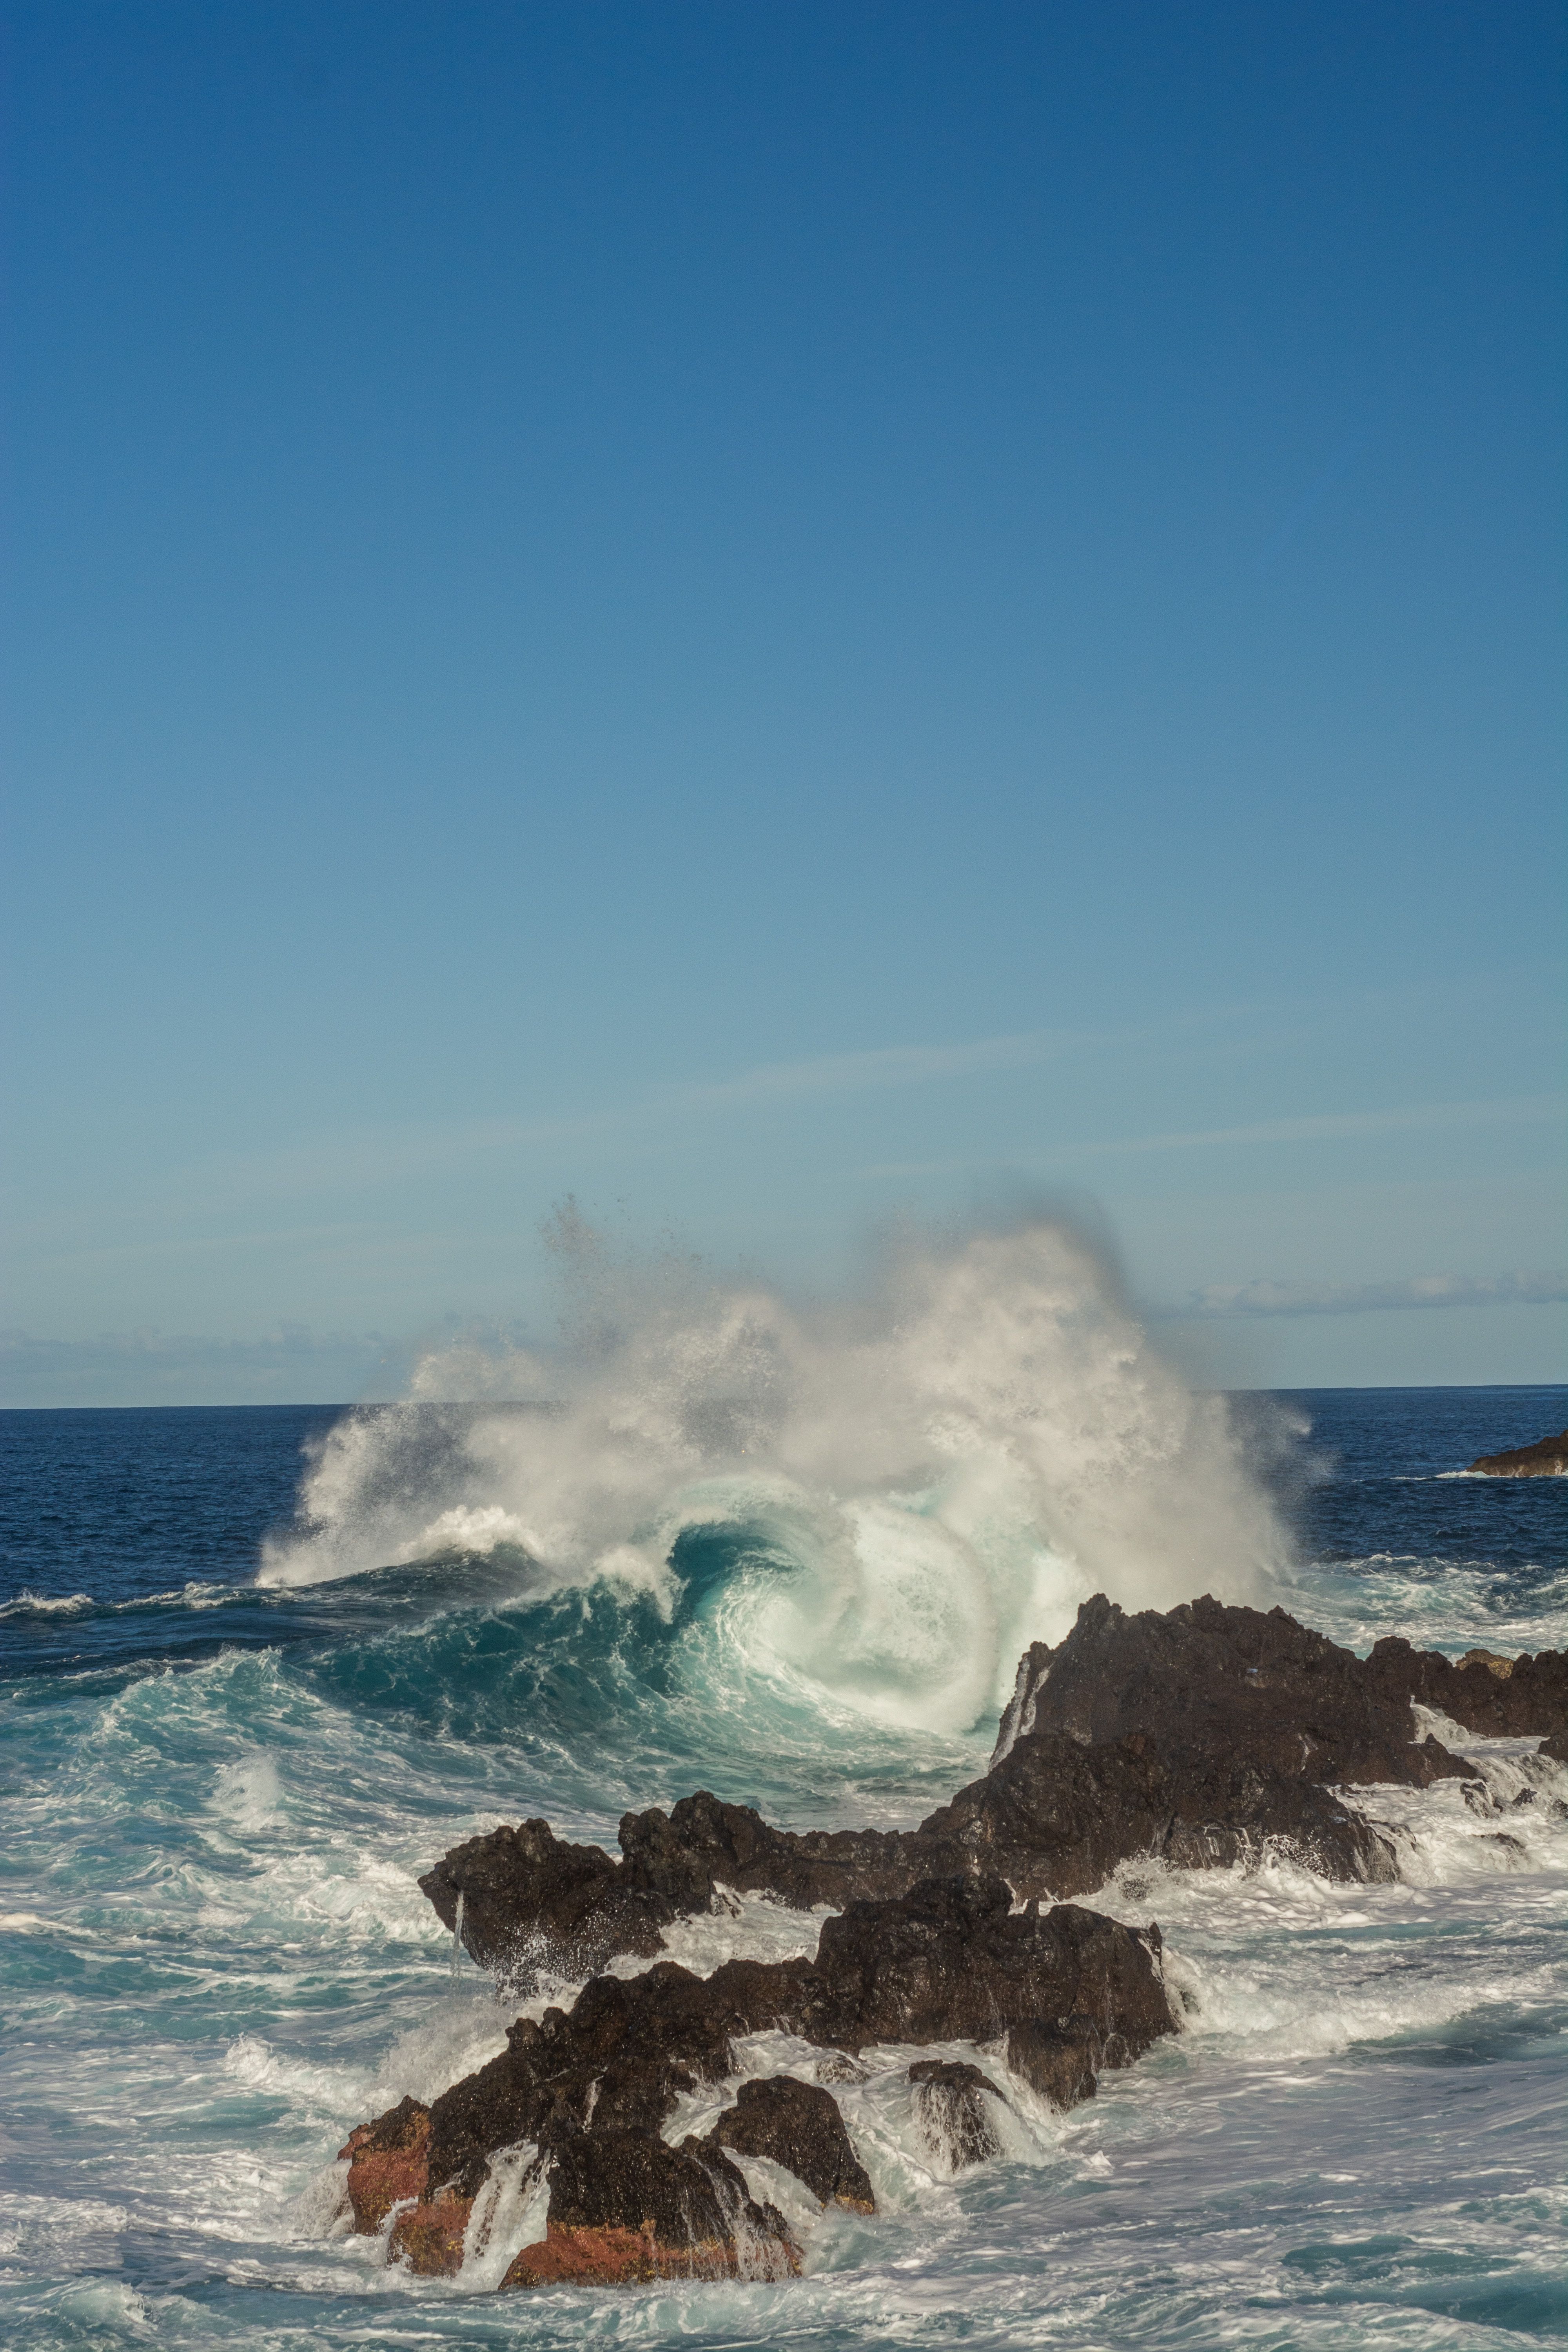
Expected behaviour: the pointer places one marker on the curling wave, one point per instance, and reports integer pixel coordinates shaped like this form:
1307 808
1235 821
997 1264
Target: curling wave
908 1490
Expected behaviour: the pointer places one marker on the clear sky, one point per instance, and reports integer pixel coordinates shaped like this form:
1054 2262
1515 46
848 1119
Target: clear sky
775 615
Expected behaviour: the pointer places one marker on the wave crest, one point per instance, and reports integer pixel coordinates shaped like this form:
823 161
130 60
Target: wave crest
920 1483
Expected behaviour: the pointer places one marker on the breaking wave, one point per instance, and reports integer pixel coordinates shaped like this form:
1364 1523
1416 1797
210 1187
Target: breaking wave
907 1490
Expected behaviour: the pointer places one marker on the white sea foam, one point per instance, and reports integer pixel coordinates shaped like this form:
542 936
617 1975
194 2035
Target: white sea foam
933 1478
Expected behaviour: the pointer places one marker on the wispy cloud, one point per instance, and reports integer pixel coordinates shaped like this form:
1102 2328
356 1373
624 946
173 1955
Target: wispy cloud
1250 1298
1328 1127
883 1066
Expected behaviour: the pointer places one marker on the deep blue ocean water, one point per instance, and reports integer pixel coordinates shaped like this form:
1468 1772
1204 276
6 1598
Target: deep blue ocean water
218 1793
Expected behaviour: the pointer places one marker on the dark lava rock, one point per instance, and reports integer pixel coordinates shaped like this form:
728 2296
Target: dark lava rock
948 1961
1193 1736
530 1900
956 2105
1060 2058
1056 1817
1547 1458
624 2207
1556 1747
1207 1684
799 2126
528 1897
1495 1696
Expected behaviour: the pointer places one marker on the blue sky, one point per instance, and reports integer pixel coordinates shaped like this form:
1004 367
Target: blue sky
778 617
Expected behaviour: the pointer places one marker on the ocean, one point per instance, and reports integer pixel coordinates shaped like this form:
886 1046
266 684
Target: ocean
262 1665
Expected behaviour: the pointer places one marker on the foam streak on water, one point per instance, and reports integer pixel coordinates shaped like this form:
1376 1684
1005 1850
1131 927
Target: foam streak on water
216 1959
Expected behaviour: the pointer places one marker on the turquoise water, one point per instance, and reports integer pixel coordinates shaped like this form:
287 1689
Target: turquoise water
218 1793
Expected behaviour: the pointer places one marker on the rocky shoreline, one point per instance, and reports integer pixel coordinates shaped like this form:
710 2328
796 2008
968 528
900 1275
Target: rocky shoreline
1199 1737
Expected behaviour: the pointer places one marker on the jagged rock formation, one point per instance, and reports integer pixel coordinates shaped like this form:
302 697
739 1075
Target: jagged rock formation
1195 1736
1547 1458
529 1898
591 2089
1495 1696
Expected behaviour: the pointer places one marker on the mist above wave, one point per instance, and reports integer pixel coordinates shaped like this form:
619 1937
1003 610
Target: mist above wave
915 1484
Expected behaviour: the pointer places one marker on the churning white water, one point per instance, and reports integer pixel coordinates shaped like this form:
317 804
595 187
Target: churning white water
948 1467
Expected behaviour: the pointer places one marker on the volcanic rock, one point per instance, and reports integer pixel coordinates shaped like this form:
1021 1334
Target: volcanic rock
798 2126
592 2088
1547 1458
529 1900
1059 2059
388 2162
1194 1736
1208 1683
1496 1696
956 2105
626 2207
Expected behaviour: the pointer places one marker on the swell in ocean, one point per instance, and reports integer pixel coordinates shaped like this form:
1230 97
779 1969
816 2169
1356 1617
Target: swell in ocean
713 1540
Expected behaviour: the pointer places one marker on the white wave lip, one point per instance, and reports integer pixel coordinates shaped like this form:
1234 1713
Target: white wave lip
943 1472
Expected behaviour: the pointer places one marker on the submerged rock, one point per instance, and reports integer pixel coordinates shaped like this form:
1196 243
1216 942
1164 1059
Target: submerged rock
1547 1458
957 2104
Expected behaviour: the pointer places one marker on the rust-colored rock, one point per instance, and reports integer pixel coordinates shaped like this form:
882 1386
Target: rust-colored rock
388 2162
430 2237
613 2257
593 2087
626 2207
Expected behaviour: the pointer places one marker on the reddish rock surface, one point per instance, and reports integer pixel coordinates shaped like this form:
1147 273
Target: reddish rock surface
388 2162
592 2087
1195 1736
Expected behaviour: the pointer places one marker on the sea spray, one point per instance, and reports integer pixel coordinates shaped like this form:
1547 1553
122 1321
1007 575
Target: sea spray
924 1479
1357 2141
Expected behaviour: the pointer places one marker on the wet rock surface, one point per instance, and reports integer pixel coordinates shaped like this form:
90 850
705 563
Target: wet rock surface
1495 1696
798 2125
592 2088
530 1899
1547 1458
624 2207
1060 2058
1195 1736
957 2107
